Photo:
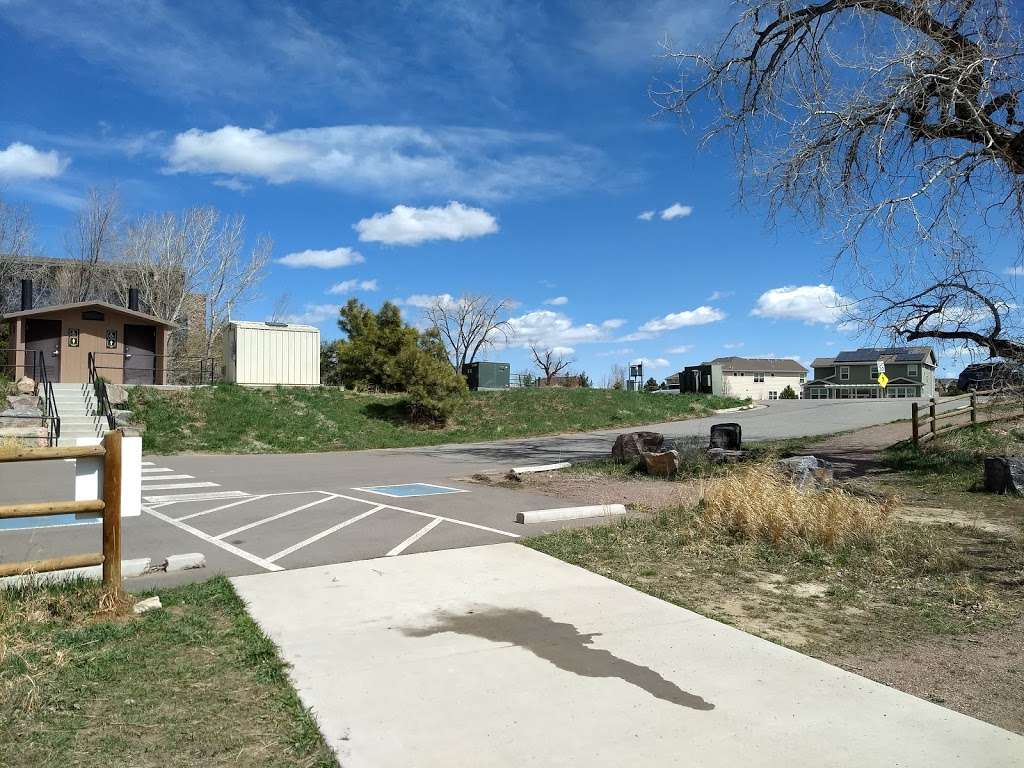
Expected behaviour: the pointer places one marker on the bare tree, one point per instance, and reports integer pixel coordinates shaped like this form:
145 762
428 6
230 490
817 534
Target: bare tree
895 124
194 270
15 240
469 325
550 362
90 243
280 309
616 378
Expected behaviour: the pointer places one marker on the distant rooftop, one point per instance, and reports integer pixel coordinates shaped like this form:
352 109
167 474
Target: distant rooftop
887 354
758 364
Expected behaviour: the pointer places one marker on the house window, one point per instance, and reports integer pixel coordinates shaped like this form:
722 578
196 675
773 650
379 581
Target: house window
874 371
911 370
758 377
773 395
844 373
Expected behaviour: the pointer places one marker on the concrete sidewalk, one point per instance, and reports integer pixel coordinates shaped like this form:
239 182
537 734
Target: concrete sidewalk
501 656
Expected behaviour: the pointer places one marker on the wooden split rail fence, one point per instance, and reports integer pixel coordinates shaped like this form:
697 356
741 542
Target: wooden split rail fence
109 505
925 428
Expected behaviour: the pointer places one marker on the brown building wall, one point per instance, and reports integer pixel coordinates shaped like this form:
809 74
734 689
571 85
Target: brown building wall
92 337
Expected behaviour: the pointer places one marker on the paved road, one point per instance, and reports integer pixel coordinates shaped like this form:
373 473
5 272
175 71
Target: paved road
257 513
501 656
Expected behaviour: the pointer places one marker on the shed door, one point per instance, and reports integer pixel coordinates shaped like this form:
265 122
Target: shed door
43 336
139 354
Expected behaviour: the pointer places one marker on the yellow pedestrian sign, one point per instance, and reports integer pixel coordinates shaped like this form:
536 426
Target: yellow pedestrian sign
883 380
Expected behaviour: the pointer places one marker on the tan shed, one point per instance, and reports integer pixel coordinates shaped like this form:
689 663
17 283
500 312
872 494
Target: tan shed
269 354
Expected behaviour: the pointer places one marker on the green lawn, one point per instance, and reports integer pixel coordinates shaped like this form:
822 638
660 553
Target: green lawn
230 419
193 684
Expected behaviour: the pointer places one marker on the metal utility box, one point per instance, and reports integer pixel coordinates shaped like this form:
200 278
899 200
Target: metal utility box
268 354
487 375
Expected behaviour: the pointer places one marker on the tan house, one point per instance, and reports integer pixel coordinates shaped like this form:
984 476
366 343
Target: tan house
127 346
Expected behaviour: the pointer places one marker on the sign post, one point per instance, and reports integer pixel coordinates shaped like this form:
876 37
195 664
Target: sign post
883 380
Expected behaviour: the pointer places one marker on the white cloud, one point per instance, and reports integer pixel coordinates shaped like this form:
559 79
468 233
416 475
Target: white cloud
637 336
391 160
322 259
553 329
646 215
426 300
23 161
563 351
236 185
719 295
810 303
699 316
676 211
350 286
682 349
647 362
620 352
406 225
314 314
557 301
734 345
613 323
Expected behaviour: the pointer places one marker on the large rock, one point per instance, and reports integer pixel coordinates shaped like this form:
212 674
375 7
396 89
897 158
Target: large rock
1004 474
25 386
31 437
23 401
728 436
722 456
630 446
807 471
117 394
661 464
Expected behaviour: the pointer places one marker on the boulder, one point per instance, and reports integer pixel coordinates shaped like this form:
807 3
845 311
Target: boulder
807 471
117 393
20 417
630 446
23 401
122 417
662 463
722 456
1005 474
727 436
30 437
25 386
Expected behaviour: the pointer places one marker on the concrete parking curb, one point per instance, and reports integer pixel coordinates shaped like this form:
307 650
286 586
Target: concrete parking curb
570 513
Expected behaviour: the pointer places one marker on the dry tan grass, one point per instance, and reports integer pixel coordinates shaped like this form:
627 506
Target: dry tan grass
757 503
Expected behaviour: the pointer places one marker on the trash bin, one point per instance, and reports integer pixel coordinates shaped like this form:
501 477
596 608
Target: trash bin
727 436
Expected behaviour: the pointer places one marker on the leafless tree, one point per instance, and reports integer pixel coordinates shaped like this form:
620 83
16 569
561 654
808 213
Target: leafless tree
550 362
195 270
15 240
893 124
280 309
616 378
469 325
90 242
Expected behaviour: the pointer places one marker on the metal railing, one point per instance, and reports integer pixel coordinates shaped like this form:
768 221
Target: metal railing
110 506
167 369
34 366
99 386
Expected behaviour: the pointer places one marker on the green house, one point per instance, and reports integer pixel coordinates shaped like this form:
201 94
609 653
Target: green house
854 375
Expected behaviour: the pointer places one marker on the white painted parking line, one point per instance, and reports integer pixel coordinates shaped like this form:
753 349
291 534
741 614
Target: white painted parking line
211 540
148 470
178 498
146 463
173 486
222 506
323 534
414 538
278 516
165 478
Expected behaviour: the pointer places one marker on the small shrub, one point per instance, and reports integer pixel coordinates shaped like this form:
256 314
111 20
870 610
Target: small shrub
788 394
758 504
433 389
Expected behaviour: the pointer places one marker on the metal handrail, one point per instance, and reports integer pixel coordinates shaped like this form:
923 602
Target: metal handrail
36 360
99 386
176 369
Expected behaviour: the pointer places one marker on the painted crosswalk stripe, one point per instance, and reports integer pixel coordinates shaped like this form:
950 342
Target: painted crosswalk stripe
323 534
219 508
177 498
173 486
146 463
148 470
164 478
415 537
278 516
208 538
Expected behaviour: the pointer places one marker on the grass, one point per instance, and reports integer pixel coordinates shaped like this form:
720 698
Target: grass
908 582
195 683
956 460
231 419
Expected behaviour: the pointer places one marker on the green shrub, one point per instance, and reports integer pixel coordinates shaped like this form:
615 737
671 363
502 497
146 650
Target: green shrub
432 387
787 394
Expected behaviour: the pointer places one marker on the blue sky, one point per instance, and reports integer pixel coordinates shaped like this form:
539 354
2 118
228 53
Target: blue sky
405 150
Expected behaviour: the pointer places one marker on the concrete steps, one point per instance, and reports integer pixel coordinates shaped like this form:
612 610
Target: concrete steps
79 413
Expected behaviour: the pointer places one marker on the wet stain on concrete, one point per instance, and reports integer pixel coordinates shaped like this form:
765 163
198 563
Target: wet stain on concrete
559 643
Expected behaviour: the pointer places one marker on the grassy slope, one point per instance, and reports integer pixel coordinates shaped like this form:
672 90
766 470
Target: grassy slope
195 683
232 419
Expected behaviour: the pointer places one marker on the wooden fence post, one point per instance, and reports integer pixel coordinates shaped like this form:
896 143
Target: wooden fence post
932 414
112 510
974 409
914 416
